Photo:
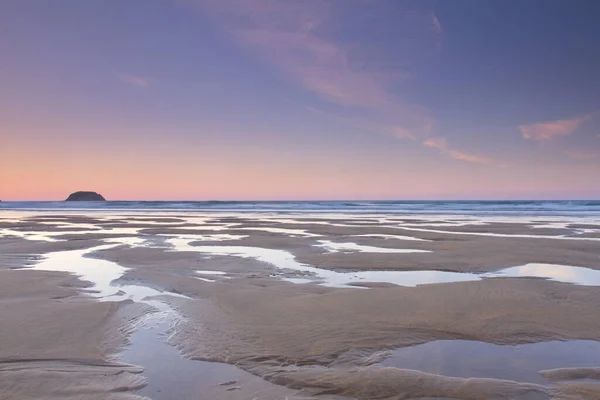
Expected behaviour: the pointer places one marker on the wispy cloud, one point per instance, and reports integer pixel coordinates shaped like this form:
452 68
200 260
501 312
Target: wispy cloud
135 80
340 51
354 54
551 129
441 144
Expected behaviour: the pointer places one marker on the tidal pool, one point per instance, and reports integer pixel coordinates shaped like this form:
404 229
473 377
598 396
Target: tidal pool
560 273
285 260
471 359
101 273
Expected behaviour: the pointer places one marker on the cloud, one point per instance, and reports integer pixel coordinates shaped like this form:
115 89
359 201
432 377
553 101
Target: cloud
441 144
548 130
134 80
353 54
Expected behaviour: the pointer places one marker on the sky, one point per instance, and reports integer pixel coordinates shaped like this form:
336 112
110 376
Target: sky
300 99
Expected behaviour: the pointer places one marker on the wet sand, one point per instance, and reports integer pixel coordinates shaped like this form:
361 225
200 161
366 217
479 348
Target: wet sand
276 330
56 344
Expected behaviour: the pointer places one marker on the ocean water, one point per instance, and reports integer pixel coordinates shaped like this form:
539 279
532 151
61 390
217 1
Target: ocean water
530 207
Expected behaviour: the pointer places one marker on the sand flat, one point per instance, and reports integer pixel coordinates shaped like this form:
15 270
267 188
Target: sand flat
282 323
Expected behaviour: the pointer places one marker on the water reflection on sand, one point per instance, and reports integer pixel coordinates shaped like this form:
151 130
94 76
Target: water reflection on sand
469 359
334 247
100 273
285 260
560 273
172 376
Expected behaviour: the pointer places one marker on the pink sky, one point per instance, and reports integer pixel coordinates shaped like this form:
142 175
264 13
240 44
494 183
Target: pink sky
295 99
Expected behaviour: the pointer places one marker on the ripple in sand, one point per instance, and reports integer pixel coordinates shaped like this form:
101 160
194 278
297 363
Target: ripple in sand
170 376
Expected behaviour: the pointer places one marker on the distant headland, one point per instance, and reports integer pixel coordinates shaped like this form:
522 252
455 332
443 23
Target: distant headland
85 196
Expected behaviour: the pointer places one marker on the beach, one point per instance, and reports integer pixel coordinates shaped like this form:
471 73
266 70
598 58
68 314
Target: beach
222 304
299 200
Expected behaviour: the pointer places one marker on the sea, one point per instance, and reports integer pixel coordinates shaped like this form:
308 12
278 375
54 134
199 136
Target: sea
471 207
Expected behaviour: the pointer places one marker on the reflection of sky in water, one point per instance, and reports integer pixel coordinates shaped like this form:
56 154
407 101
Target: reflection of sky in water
74 225
467 359
122 231
54 236
401 278
308 221
561 273
285 260
39 236
399 237
171 376
334 247
207 272
221 274
505 235
130 240
99 272
205 238
291 232
333 219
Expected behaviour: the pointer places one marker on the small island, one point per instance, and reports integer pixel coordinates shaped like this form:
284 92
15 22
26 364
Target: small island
85 196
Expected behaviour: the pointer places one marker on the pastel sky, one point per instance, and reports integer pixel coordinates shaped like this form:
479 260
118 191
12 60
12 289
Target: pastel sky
300 99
